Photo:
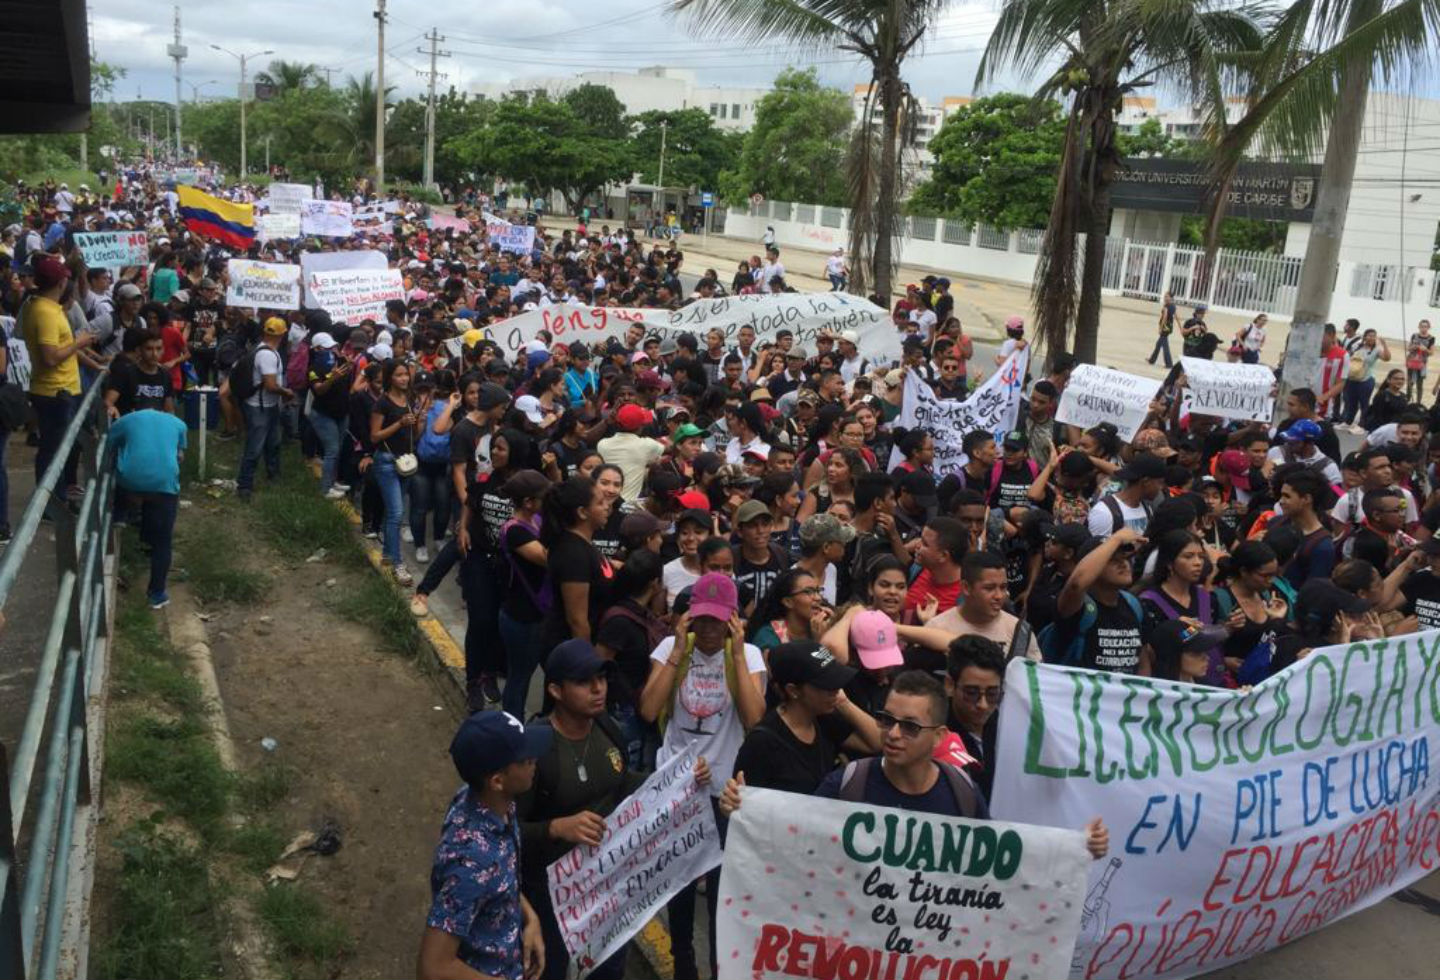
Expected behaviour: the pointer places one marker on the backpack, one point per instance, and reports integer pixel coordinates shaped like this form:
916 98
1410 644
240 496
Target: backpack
1057 648
732 677
544 597
967 795
433 448
1202 604
998 468
297 368
1113 506
229 349
242 375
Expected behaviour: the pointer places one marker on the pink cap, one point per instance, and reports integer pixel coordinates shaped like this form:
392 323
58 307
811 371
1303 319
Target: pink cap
1015 323
639 356
873 635
714 594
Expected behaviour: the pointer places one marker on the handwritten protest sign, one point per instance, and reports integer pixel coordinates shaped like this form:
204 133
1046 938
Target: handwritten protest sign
511 238
353 295
263 285
312 262
1240 820
994 407
443 222
17 366
1229 391
370 218
112 249
277 226
1097 394
289 198
660 838
821 888
327 218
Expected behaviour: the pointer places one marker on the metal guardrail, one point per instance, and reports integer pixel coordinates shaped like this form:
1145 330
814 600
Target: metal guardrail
35 886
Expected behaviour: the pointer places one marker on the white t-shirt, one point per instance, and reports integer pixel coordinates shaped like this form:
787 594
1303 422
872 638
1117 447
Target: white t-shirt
267 361
633 454
1102 520
704 713
676 578
834 266
1320 463
1350 506
734 450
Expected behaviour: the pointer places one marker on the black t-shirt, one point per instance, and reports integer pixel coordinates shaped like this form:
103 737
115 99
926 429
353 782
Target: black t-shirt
489 510
518 603
607 539
1040 610
753 581
771 757
867 694
574 560
1113 641
470 444
137 388
621 630
402 440
1422 598
1013 486
207 323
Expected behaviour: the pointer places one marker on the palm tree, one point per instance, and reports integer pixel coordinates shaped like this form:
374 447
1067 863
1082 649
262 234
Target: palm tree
884 33
1312 82
285 76
354 125
1107 49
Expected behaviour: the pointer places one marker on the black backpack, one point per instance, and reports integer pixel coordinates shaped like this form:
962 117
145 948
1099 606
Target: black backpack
242 375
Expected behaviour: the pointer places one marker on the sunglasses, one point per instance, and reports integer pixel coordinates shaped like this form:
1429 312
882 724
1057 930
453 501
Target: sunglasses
973 695
885 721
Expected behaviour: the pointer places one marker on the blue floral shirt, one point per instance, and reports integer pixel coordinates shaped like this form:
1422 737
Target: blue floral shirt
475 886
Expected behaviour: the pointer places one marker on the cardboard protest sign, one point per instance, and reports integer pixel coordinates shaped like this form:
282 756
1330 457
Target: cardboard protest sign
1229 391
1240 820
353 295
822 888
657 841
331 219
511 238
312 262
277 226
263 285
1097 394
289 198
113 249
994 407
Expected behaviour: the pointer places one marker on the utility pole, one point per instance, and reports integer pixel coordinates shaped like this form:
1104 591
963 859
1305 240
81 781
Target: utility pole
664 126
380 95
434 37
328 72
242 58
85 136
178 52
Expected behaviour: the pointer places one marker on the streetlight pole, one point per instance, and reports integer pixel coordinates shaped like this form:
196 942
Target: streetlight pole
664 126
380 97
242 58
195 90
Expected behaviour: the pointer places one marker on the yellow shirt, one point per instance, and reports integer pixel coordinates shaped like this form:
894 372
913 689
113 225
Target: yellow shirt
42 321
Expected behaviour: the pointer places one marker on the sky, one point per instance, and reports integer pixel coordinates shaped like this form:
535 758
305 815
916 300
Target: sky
493 41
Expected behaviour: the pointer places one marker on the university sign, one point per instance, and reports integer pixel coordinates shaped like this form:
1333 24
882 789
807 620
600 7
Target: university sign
1267 191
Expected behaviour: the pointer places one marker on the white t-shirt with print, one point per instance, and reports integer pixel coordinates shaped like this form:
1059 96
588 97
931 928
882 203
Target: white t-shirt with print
704 714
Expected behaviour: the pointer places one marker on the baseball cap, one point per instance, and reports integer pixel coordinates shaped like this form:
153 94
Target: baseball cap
666 483
734 475
471 337
488 741
1145 466
872 634
694 509
1303 431
669 346
1073 536
639 524
1235 463
579 351
492 396
276 327
850 336
651 380
575 660
49 271
750 510
639 356
824 529
1015 323
1320 600
797 353
633 417
525 484
714 594
322 341
761 395
379 352
128 290
760 451
1015 440
1175 636
530 407
807 396
921 486
808 663
688 431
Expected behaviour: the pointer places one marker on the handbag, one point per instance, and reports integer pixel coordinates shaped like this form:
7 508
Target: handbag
406 463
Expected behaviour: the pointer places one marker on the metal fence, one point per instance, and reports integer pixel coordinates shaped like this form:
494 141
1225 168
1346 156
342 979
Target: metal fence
780 210
1029 240
805 214
994 238
922 229
832 217
40 823
956 232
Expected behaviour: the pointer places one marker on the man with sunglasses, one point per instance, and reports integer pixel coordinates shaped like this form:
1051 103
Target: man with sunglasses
975 681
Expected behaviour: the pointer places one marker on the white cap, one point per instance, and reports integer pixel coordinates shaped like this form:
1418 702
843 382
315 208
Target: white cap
535 346
385 337
530 406
528 307
850 336
381 352
322 341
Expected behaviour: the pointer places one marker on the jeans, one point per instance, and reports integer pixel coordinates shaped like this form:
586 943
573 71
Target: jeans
1250 357
52 417
837 283
444 560
327 430
557 957
1357 397
430 492
1414 385
522 656
484 650
1162 346
392 492
157 529
682 914
262 437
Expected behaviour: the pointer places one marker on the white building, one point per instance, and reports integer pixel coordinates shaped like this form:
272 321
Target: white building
649 89
930 117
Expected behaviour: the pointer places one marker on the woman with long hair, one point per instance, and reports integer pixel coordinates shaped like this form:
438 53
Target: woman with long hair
580 575
395 422
841 471
528 594
1249 573
791 610
1178 589
781 493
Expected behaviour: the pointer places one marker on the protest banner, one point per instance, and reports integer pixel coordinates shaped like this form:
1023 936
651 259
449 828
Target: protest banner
814 887
803 314
289 198
275 226
330 219
511 238
442 222
353 295
312 262
263 285
1240 820
1229 391
994 407
370 218
113 249
17 365
1097 394
657 841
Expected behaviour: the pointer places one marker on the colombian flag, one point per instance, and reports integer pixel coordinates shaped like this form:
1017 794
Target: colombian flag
218 220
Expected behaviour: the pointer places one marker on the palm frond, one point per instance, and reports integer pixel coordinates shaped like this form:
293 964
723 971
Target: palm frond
762 20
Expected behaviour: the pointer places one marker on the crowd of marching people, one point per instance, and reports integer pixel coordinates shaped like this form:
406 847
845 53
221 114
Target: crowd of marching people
722 540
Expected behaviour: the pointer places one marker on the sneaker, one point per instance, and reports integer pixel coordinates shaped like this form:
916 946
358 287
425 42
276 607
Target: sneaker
225 436
4 533
158 601
405 535
403 576
419 605
489 689
372 535
335 493
422 555
342 487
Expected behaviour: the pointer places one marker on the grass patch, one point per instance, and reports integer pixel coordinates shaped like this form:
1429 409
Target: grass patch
302 931
145 663
375 604
214 573
256 846
161 920
176 765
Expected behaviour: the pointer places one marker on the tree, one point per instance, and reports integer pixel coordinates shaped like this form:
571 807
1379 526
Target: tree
599 109
995 163
286 76
1246 234
1150 140
1108 49
695 150
796 149
884 34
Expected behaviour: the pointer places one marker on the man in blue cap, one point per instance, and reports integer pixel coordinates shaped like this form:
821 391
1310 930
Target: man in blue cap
478 919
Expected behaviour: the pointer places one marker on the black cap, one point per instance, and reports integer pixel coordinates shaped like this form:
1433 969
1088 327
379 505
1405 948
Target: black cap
493 396
1015 440
575 660
1145 466
579 351
693 516
808 663
488 741
1320 600
639 524
1174 636
665 483
921 486
1074 536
